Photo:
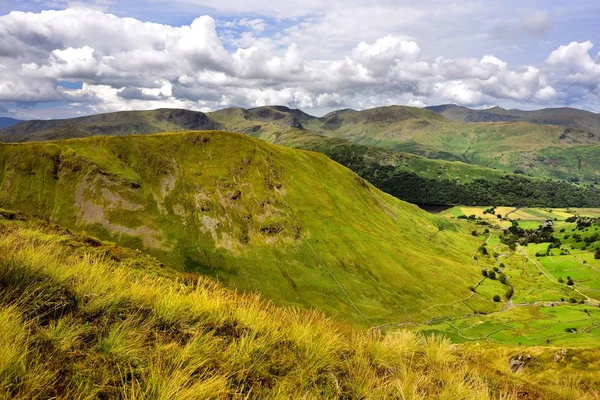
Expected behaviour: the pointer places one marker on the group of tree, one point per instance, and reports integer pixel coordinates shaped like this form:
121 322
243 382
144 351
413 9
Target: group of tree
517 235
508 190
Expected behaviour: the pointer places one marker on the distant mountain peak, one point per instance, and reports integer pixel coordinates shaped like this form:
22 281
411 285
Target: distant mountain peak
5 122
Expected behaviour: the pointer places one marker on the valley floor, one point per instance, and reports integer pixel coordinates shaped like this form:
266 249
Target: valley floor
536 304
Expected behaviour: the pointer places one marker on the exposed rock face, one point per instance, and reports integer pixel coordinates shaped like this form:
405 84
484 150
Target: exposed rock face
519 361
186 119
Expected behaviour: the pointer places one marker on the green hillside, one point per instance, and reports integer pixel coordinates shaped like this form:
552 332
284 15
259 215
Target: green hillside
421 180
290 224
565 116
540 150
118 123
85 319
382 145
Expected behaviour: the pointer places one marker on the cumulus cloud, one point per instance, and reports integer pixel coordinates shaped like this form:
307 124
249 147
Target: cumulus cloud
125 63
573 61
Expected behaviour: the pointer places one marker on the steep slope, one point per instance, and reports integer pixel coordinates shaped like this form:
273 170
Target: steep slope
6 122
292 225
425 181
421 180
87 319
565 116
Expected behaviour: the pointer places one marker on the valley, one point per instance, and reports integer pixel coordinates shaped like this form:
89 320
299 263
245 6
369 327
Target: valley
250 223
95 309
308 214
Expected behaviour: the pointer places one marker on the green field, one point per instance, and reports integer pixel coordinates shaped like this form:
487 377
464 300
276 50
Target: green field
544 309
527 325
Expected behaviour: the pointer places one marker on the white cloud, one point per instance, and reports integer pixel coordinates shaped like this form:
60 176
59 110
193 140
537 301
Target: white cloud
125 63
254 24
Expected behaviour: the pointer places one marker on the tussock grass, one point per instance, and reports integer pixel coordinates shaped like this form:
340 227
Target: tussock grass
77 324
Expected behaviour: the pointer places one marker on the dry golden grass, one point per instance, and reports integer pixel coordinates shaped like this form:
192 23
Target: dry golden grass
79 325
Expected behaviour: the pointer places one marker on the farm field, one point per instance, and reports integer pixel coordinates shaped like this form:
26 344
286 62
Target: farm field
554 285
523 214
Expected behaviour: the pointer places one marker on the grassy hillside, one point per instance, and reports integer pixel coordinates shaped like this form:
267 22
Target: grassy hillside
290 224
85 319
421 180
119 123
405 175
542 150
566 117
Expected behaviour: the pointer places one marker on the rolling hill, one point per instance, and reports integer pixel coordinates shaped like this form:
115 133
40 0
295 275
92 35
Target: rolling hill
403 174
290 224
539 150
546 151
119 123
566 117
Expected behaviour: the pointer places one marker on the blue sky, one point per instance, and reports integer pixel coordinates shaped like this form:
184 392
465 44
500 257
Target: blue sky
313 55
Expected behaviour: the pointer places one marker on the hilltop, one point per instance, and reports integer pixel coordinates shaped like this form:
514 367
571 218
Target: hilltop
539 150
292 225
118 123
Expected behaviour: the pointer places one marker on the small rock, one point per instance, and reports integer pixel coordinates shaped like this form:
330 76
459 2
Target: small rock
518 362
560 355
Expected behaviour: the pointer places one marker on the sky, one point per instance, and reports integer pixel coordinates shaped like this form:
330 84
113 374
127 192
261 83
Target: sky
61 59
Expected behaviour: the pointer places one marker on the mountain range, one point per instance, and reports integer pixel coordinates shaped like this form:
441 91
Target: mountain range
445 161
565 116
